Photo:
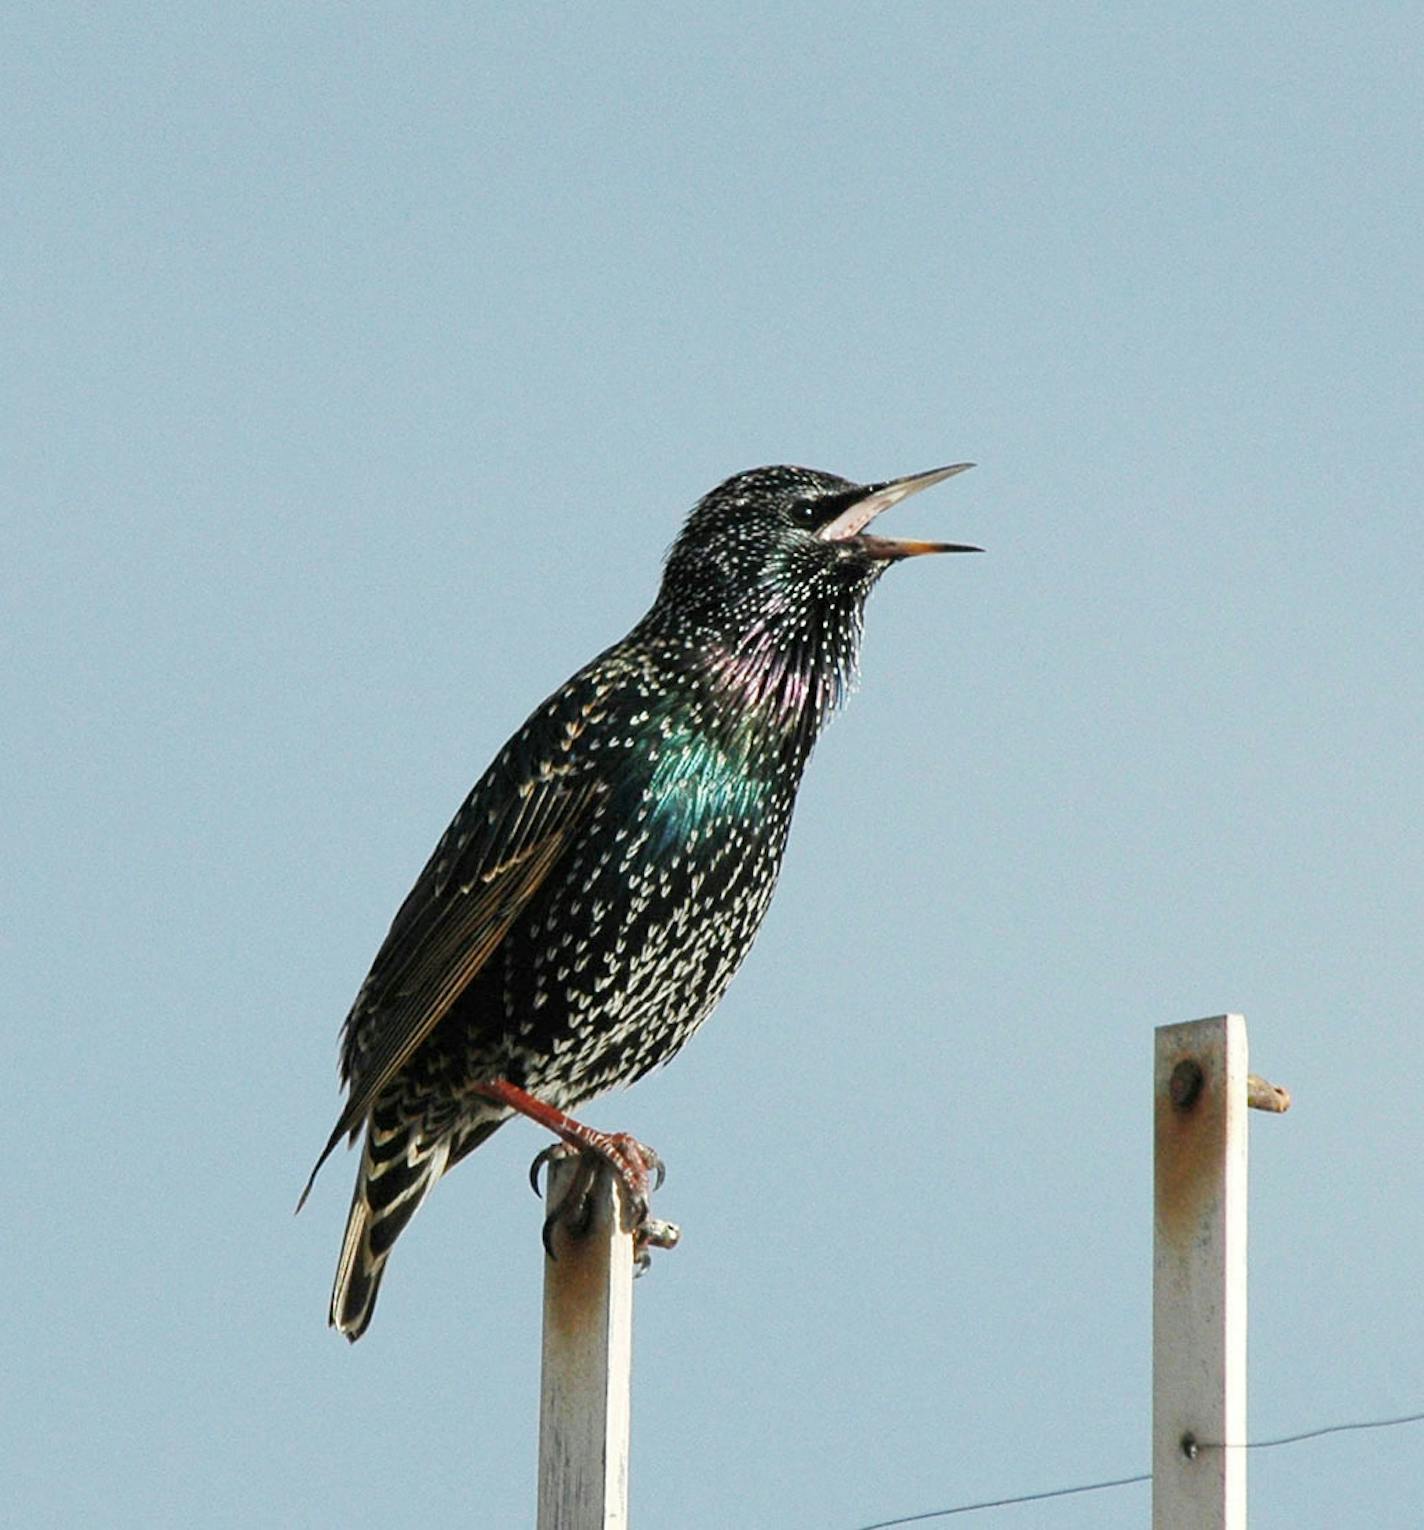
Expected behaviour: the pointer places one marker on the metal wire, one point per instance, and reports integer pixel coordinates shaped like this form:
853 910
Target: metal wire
1315 1434
1117 1482
1002 1503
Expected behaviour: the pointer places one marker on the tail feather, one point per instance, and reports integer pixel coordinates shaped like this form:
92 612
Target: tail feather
399 1168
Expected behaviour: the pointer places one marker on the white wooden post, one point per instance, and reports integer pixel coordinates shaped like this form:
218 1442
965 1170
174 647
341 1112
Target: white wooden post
587 1359
1199 1276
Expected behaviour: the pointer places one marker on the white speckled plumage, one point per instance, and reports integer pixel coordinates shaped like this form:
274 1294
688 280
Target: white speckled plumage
598 889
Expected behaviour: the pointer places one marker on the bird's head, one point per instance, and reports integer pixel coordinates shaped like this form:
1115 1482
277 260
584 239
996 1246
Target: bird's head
791 540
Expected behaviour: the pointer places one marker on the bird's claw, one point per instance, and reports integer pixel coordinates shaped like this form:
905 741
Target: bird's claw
574 1208
551 1155
634 1163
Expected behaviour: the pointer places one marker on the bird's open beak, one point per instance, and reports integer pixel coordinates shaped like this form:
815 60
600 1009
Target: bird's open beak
873 498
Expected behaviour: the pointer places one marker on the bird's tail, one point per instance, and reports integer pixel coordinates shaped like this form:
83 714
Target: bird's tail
399 1168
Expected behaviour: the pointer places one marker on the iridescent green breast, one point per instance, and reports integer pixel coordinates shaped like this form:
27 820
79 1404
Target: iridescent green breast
698 782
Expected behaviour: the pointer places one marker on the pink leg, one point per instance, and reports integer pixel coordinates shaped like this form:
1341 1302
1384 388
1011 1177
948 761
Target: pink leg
630 1160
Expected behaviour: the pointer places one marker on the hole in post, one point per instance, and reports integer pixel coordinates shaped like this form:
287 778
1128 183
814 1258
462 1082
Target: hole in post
1186 1083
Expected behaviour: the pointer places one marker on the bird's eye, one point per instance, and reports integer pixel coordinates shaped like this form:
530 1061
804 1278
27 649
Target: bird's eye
804 511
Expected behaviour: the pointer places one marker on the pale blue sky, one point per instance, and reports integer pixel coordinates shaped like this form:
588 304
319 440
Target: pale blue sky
361 363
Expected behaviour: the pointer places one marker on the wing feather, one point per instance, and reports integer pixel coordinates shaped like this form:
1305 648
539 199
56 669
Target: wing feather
501 845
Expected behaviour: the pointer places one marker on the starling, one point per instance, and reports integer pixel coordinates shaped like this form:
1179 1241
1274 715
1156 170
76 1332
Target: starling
587 907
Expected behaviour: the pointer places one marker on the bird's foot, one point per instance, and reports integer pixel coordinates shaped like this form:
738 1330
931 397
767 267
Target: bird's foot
639 1170
574 1207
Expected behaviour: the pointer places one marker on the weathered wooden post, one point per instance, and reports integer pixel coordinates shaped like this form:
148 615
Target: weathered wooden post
1202 1090
587 1360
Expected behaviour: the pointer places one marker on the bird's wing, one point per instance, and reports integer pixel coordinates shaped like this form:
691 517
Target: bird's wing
510 831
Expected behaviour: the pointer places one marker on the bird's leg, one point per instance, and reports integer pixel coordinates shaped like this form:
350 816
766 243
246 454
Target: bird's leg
637 1166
